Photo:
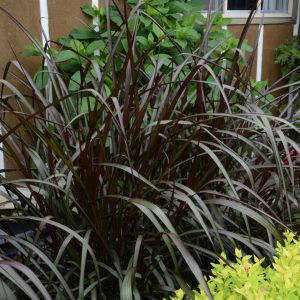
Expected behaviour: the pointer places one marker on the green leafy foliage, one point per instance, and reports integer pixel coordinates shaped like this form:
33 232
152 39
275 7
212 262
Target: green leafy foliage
163 28
247 278
90 10
288 57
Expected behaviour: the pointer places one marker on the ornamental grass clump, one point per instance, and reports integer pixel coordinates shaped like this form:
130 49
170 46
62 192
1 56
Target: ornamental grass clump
247 278
140 175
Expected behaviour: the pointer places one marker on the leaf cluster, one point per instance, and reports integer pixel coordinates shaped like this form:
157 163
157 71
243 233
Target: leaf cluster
162 29
288 57
248 279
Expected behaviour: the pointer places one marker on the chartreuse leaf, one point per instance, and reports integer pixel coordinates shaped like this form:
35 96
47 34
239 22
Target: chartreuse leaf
250 280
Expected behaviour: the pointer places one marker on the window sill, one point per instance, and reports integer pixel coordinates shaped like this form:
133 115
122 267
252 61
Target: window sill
262 20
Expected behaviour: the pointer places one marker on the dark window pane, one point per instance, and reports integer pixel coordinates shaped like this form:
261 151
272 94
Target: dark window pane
241 4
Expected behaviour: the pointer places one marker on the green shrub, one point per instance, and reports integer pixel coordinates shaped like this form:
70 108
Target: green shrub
163 29
248 279
288 57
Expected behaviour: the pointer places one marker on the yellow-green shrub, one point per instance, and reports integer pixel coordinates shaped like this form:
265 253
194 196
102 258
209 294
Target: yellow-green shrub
248 279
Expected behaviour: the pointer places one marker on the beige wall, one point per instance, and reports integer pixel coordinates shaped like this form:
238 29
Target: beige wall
274 35
12 45
64 16
28 12
251 37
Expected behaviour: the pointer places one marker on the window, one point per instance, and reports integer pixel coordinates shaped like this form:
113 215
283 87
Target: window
241 5
275 6
266 5
270 8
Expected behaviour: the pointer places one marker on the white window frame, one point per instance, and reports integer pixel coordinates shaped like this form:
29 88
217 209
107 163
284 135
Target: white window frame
240 16
259 14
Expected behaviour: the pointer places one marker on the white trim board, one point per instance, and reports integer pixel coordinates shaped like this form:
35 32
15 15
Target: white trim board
240 16
259 12
44 15
295 33
95 22
260 48
96 4
296 26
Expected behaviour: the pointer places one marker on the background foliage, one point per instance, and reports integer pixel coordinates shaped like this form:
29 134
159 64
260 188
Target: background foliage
288 57
165 28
